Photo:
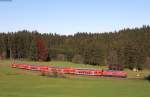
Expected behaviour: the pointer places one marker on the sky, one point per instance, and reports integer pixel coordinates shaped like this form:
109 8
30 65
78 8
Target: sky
70 16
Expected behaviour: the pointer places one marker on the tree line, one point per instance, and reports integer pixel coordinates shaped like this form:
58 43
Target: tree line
126 47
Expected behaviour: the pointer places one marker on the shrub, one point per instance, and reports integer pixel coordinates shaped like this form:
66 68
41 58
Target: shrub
148 78
77 59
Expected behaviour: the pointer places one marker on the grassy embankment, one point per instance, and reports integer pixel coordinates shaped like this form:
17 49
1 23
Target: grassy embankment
23 83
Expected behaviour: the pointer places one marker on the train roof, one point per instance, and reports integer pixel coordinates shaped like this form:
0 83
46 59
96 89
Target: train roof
86 68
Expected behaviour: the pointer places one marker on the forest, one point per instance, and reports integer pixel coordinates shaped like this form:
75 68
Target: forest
128 47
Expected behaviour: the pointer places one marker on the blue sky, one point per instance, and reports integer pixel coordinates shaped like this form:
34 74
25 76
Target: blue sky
70 16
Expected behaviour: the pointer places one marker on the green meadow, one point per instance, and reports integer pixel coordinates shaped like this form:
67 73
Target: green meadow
23 83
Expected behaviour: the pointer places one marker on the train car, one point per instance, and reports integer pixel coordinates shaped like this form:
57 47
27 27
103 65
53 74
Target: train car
21 66
78 71
85 71
98 72
43 68
121 74
68 70
34 67
14 65
55 69
28 67
113 73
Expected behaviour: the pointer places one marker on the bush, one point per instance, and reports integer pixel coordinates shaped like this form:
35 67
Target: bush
61 57
148 78
54 74
44 73
77 59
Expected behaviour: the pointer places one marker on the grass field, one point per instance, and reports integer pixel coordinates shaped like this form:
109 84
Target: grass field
22 83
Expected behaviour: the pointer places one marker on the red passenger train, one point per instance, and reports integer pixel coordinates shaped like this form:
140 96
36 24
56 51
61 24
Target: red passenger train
67 70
